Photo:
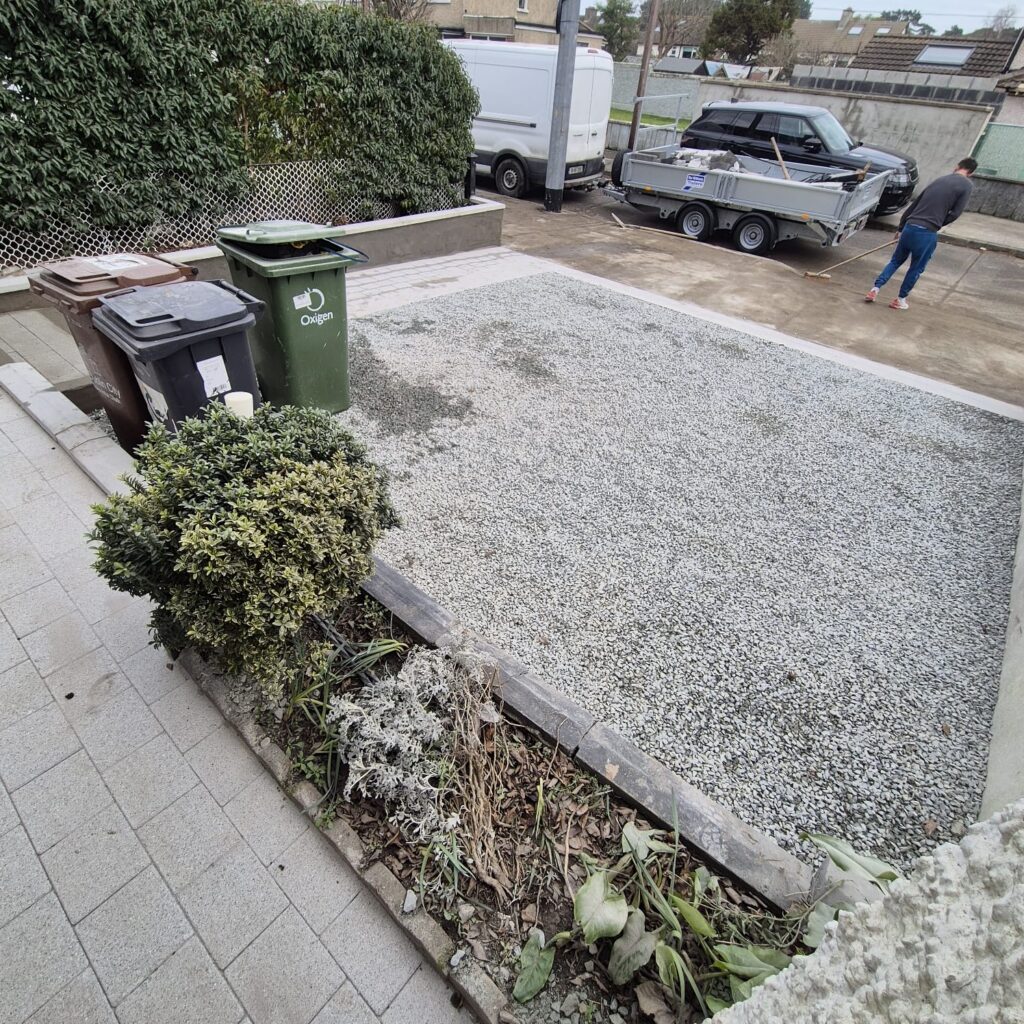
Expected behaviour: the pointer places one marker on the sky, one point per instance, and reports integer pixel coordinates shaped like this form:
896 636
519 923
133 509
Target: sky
940 14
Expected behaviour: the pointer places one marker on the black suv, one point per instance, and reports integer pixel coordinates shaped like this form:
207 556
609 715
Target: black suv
807 135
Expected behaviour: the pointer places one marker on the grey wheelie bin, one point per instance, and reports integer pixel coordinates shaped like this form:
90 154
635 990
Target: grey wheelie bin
186 343
74 286
301 347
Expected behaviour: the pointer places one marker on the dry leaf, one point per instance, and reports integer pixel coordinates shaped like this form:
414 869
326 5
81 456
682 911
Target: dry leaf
610 771
930 826
946 731
478 950
529 914
488 713
652 1002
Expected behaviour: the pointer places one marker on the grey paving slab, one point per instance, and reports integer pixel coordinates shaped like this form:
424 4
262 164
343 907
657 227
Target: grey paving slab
187 715
131 934
57 802
347 1006
153 673
81 1002
39 955
286 974
127 630
37 607
34 744
79 492
21 692
317 881
149 778
425 997
83 686
51 525
22 880
8 815
23 488
93 862
21 566
90 592
186 988
378 978
266 817
188 837
116 728
60 642
11 651
12 467
231 903
224 763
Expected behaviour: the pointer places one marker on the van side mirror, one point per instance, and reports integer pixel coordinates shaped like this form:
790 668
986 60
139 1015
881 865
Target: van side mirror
812 144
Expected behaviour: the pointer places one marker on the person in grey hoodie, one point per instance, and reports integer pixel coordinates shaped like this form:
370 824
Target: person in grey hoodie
935 207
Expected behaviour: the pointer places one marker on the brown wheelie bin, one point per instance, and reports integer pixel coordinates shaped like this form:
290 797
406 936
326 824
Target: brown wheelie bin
74 286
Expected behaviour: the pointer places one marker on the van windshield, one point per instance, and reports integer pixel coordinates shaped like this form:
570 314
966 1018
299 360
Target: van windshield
833 134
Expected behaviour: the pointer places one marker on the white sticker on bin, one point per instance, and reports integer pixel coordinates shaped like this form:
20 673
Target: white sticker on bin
115 262
215 376
155 400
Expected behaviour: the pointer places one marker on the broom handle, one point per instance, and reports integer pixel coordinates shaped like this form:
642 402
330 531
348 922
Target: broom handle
884 245
778 156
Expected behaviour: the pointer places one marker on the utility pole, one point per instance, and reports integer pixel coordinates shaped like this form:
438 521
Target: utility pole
641 82
568 21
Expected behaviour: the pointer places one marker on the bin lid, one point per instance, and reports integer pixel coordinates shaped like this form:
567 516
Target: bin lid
165 311
79 280
277 232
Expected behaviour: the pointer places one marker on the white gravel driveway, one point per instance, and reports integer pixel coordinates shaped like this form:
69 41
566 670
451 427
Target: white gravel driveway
785 578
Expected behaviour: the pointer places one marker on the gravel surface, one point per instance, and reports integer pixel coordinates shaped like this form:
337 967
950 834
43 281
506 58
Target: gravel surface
786 579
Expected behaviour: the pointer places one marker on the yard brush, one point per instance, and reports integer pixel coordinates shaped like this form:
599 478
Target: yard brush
826 275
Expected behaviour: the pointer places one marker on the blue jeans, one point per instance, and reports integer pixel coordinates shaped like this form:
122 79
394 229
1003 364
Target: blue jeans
916 244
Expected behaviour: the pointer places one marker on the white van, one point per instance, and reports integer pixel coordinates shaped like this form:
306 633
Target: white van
516 82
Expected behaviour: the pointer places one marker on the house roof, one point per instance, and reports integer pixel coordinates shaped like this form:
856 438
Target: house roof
1012 83
846 36
988 57
679 65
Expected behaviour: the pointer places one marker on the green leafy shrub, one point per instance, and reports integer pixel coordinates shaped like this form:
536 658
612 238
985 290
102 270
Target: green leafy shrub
239 530
122 113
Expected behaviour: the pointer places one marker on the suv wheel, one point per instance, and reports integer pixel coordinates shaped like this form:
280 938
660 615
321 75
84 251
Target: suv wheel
696 220
754 234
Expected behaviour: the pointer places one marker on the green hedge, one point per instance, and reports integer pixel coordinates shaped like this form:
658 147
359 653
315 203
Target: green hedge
169 101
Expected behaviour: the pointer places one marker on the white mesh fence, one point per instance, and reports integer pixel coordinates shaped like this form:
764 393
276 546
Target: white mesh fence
299 191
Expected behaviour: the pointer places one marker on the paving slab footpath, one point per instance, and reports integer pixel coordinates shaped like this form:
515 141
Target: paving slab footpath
150 869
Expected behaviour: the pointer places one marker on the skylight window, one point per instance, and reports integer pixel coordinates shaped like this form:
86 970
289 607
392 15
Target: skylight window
948 56
856 30
882 31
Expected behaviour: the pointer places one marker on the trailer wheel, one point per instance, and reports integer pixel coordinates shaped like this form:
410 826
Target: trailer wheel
754 234
696 220
510 178
617 168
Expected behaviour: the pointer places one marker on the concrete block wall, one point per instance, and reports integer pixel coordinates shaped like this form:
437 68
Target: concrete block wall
998 197
624 90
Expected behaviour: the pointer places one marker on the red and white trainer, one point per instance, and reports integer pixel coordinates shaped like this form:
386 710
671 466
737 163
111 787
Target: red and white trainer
871 295
899 303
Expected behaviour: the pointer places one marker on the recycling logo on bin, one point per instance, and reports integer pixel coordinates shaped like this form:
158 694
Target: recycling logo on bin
312 300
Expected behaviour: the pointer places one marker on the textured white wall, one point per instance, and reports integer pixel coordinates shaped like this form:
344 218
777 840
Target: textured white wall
945 946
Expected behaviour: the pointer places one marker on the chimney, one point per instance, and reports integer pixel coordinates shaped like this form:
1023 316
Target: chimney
846 18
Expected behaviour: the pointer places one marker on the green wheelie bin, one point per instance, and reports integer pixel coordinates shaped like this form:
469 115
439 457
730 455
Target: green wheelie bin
300 347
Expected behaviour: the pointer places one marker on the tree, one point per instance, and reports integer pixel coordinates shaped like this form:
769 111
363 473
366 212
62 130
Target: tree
917 26
803 8
680 22
619 26
955 30
1003 19
780 51
412 11
739 28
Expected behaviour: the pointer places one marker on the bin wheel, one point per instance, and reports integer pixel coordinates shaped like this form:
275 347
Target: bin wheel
696 220
754 234
617 169
510 178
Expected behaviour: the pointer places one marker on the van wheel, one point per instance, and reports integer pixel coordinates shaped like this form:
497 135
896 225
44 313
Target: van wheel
754 234
510 178
617 168
696 220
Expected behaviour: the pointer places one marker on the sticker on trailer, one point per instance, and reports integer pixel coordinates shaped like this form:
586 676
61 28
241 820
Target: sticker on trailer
215 376
115 262
695 181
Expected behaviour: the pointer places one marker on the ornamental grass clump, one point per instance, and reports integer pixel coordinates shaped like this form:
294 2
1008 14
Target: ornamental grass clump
240 530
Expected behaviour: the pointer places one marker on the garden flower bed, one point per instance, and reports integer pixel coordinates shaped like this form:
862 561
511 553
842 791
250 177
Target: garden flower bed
253 537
